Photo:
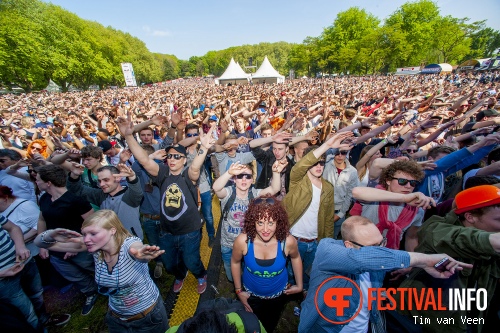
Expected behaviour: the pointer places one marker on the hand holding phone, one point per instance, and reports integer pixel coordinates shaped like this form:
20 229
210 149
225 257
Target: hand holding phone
441 265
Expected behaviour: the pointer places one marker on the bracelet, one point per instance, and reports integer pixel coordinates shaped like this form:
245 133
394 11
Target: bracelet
238 291
42 235
172 126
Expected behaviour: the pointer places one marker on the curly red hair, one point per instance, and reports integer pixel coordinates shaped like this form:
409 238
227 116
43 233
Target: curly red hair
262 209
42 143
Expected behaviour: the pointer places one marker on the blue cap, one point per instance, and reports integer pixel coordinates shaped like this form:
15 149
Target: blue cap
214 118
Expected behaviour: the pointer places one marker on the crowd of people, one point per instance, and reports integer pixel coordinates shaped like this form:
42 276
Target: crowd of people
316 178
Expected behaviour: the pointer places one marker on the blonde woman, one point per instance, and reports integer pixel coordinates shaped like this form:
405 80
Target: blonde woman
121 270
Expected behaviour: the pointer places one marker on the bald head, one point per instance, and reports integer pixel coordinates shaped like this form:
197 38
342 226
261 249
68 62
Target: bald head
361 230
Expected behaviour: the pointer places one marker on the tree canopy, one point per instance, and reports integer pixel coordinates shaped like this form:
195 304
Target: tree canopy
40 41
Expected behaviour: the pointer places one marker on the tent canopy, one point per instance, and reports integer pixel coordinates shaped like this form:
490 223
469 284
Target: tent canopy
472 63
233 72
267 72
437 68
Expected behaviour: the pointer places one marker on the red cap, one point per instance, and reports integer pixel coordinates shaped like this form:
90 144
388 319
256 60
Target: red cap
477 197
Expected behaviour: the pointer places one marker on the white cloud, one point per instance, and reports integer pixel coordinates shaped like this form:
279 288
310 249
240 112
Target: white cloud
158 33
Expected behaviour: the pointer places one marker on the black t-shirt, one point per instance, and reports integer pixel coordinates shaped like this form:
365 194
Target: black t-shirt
179 210
66 212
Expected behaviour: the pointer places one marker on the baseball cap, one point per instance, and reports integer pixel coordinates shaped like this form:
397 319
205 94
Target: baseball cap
105 145
178 148
262 110
263 104
491 113
477 197
214 118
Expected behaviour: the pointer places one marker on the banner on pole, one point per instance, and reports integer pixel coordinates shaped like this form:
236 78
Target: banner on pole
128 74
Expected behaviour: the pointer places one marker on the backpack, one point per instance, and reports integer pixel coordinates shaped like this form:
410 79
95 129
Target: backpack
226 306
230 201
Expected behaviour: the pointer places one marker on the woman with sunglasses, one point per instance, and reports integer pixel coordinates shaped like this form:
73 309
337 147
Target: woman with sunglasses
233 223
264 247
121 270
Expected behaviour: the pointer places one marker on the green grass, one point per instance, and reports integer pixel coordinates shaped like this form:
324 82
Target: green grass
72 303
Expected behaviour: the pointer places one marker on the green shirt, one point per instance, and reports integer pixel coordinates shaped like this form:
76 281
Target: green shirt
470 245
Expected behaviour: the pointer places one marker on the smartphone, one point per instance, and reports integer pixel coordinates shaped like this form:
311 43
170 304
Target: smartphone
336 113
441 265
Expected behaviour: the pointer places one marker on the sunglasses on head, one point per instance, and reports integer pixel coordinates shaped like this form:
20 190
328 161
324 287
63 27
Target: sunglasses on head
175 156
269 201
404 181
322 163
245 175
190 135
342 152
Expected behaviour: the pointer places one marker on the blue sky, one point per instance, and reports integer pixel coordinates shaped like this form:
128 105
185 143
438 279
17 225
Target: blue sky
192 28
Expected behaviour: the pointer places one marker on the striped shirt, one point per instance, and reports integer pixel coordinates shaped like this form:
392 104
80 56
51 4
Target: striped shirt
137 291
7 247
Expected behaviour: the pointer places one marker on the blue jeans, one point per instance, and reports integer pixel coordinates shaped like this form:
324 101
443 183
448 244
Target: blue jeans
206 210
307 252
182 253
151 229
25 292
336 227
227 252
79 270
155 322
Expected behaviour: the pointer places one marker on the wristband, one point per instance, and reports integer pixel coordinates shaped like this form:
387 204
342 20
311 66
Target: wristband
172 126
238 291
42 235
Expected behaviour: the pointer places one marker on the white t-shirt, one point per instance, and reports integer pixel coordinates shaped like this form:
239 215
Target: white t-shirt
307 226
25 216
360 323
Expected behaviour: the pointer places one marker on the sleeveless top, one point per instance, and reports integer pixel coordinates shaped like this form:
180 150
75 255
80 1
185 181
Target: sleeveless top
265 281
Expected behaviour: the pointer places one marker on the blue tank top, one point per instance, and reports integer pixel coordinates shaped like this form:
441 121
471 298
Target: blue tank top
265 281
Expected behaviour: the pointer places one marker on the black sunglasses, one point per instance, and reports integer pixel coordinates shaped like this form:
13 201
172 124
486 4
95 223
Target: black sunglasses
322 163
245 175
190 135
30 171
342 152
404 181
269 201
411 151
176 156
381 244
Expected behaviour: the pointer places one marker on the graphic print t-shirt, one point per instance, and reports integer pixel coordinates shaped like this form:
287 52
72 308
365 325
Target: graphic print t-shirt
233 226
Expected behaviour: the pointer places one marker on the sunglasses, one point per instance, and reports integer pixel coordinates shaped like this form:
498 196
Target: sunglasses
322 163
269 201
381 244
190 135
411 151
342 152
244 175
175 156
31 171
404 181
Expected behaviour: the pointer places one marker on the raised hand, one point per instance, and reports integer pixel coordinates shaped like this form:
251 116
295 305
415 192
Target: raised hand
236 168
176 118
159 155
159 120
74 153
146 252
336 140
282 137
125 125
76 169
279 166
125 171
125 155
207 140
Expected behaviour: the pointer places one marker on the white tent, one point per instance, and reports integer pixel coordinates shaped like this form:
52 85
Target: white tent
234 75
267 74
